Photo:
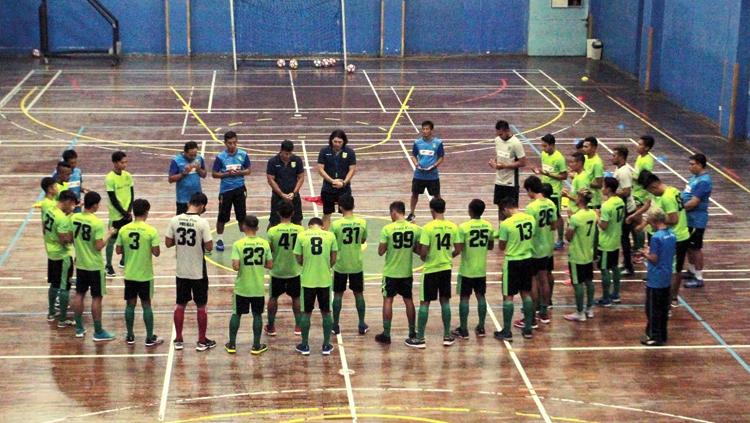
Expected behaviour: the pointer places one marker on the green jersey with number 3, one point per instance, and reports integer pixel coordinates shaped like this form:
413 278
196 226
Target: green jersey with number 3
581 248
400 237
252 252
315 246
136 239
518 233
612 212
87 229
475 235
351 233
438 236
283 237
544 211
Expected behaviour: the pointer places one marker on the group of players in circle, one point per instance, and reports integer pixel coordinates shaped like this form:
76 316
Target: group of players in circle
314 264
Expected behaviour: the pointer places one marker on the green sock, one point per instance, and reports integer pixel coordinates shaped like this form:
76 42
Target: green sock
616 276
79 320
528 313
327 324
129 318
64 296
543 309
463 313
336 309
51 297
359 300
234 326
589 293
304 323
297 319
445 312
148 320
507 315
110 251
578 288
424 312
98 326
482 309
387 327
606 282
257 329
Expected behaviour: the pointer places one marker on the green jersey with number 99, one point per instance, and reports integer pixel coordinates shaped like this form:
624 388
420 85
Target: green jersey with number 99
400 237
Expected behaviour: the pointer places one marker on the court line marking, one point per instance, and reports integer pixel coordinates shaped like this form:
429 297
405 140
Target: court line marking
77 356
374 91
407 113
643 347
536 89
294 93
211 93
187 112
44 89
15 89
167 376
565 90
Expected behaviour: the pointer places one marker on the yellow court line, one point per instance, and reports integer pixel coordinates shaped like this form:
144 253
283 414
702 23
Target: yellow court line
562 419
389 135
375 416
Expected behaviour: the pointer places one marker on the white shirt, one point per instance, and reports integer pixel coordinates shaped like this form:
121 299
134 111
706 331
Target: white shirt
624 176
189 232
507 152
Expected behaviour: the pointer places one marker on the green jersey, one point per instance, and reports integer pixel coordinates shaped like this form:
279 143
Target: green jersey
400 237
121 185
45 203
544 212
438 236
252 252
671 202
581 248
315 246
60 188
351 233
641 163
595 167
518 233
580 181
283 238
475 235
136 239
54 223
555 164
87 229
613 212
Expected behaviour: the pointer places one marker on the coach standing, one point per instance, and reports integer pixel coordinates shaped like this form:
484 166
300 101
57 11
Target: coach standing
231 166
337 164
286 174
186 170
509 159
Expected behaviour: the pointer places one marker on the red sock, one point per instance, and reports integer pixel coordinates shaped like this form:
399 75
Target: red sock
202 323
179 317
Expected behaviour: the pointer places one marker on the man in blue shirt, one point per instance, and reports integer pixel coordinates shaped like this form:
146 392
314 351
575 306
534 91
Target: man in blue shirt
231 166
337 164
695 197
427 155
186 170
74 183
660 255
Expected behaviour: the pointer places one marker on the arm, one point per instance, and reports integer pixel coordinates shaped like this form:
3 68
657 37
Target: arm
299 259
501 245
274 186
208 245
672 218
132 197
202 169
236 265
65 238
323 174
333 258
350 174
155 251
118 250
437 163
597 182
639 212
382 248
692 203
491 245
116 203
169 242
300 182
457 248
603 225
569 233
623 193
216 172
101 243
269 264
423 251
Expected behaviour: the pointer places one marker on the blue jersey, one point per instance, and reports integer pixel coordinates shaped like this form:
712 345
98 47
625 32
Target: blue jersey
427 154
698 186
74 183
190 183
664 244
225 162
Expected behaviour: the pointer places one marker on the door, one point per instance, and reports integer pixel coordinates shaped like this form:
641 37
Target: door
558 27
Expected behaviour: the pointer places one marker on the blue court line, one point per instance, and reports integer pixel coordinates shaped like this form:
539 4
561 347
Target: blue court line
713 333
30 214
528 142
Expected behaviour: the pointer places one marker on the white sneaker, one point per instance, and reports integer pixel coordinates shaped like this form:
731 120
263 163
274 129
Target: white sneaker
575 317
590 312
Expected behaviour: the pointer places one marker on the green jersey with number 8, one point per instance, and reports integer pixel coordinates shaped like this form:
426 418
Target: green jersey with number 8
315 246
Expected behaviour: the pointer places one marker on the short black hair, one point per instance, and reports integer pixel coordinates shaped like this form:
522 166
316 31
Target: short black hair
507 203
592 140
285 210
502 125
622 151
338 133
46 183
428 123
533 184
647 178
229 135
579 144
549 139
611 183
398 207
117 156
700 158
141 206
547 190
346 202
91 199
586 196
287 145
69 154
315 221
578 157
68 195
250 222
189 146
63 164
648 141
198 199
476 208
437 204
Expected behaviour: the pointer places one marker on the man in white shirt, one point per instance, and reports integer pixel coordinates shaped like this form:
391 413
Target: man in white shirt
624 176
509 159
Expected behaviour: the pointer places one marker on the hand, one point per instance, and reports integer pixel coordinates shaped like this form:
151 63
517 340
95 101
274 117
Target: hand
565 193
493 163
338 183
289 197
629 220
537 171
644 251
111 232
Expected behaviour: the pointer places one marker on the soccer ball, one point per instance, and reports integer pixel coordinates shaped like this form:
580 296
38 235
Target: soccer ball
351 68
281 63
325 63
35 52
293 64
317 63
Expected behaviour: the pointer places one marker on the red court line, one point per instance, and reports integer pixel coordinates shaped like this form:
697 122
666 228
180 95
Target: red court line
503 86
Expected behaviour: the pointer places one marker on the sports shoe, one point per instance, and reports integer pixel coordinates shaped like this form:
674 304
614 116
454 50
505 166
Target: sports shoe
110 272
559 245
411 217
178 345
527 334
121 264
270 330
504 335
688 275
303 349
460 333
604 302
219 245
80 332
415 343
335 329
650 342
61 324
521 324
381 338
412 334
363 328
627 272
130 339
589 312
230 348
51 318
479 331
575 317
298 331
258 349
544 318
449 340
154 341
102 336
205 345
675 303
615 299
695 283
326 350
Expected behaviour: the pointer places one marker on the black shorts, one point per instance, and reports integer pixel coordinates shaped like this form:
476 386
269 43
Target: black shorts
465 286
93 279
288 286
192 289
276 202
543 264
236 198
182 208
397 286
244 305
696 238
356 282
309 295
142 290
419 185
516 276
580 273
330 199
434 285
59 273
680 253
608 259
558 203
505 191
117 224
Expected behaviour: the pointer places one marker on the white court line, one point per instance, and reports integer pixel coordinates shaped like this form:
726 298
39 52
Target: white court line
187 111
374 91
211 94
15 90
43 90
537 90
405 111
77 356
643 347
565 90
167 376
294 94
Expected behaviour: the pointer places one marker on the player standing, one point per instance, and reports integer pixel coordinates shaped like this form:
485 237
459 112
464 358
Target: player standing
427 154
554 171
231 166
186 170
119 186
58 236
695 197
337 164
509 159
580 235
611 217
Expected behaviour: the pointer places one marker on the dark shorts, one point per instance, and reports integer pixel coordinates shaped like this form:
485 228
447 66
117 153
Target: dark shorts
505 191
117 224
356 282
322 295
419 185
93 279
465 286
580 273
516 276
182 208
397 286
436 285
243 305
680 253
288 286
59 273
696 238
543 264
558 203
142 290
192 289
233 198
276 202
330 199
608 259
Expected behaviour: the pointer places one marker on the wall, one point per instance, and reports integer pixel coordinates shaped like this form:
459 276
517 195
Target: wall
556 31
618 24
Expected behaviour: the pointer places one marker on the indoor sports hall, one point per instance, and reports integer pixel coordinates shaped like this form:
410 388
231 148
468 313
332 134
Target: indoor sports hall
146 76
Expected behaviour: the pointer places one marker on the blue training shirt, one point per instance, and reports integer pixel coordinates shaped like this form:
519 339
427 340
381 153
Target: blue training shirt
225 162
698 186
427 154
190 183
664 244
74 183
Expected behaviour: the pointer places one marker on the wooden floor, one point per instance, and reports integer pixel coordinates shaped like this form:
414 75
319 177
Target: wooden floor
596 371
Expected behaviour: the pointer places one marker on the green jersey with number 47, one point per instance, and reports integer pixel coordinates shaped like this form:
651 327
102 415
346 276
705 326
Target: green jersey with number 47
613 212
400 237
136 239
581 248
283 238
438 236
475 235
544 211
252 252
87 229
351 233
518 233
315 246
